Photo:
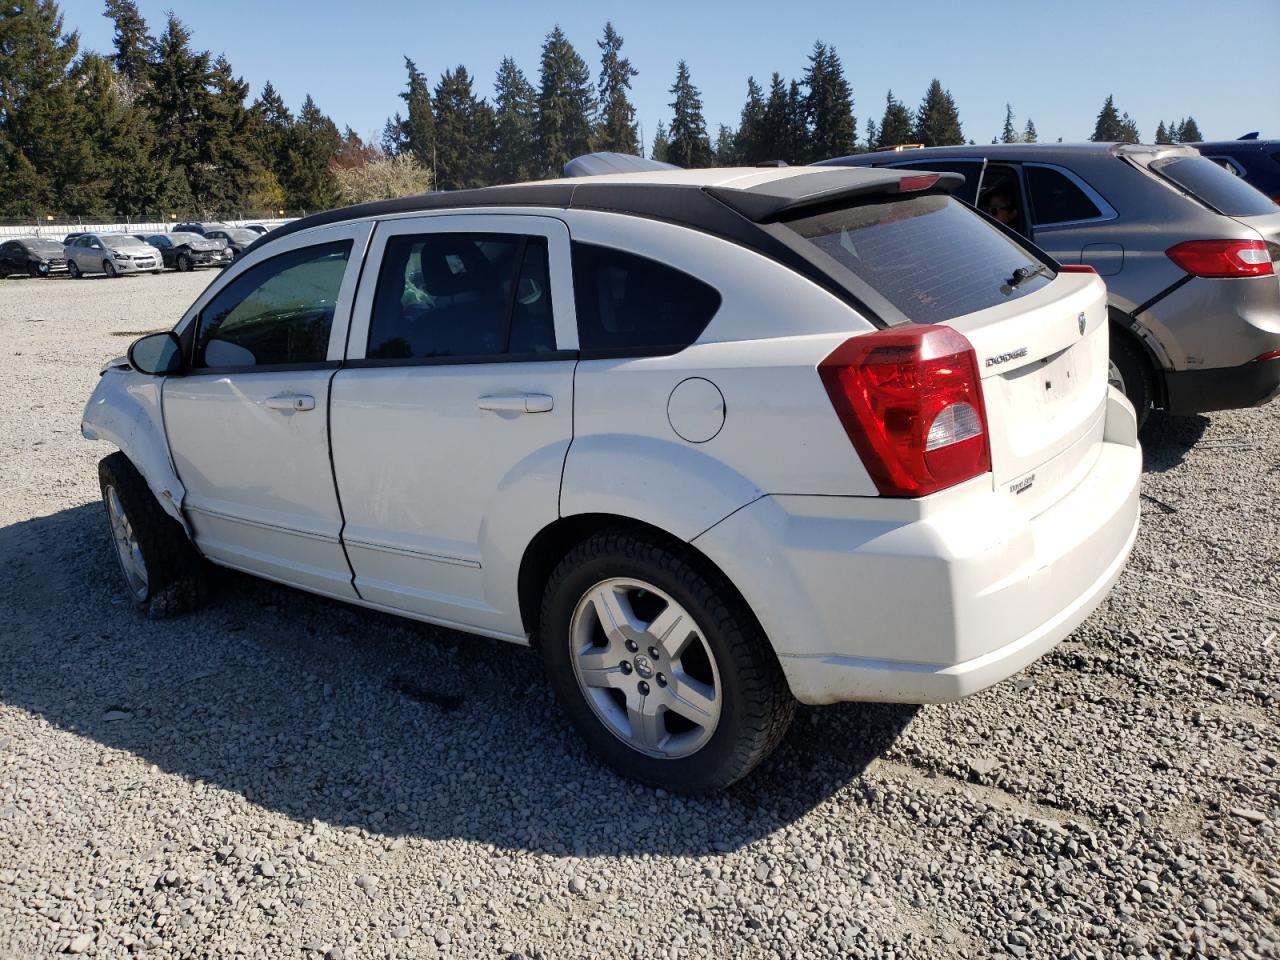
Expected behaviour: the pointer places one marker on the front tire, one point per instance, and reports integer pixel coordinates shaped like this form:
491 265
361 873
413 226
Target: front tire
660 665
163 572
73 269
110 270
1130 373
184 263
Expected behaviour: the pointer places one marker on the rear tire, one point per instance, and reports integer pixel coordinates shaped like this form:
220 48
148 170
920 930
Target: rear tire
695 718
163 573
1131 374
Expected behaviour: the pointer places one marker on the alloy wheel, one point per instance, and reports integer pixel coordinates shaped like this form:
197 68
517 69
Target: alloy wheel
1114 377
646 668
128 551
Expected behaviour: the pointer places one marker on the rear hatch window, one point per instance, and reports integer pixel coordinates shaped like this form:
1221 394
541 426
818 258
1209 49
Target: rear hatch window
1213 186
929 256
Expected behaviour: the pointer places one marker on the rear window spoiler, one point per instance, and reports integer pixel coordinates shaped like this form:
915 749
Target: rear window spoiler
770 201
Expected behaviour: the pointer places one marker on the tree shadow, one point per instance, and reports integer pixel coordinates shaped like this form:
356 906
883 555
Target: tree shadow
324 711
1166 439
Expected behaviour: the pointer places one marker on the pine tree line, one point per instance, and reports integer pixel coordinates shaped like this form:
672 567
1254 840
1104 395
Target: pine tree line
160 125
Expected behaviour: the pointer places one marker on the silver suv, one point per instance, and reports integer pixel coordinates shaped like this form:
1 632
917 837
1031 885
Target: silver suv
1186 249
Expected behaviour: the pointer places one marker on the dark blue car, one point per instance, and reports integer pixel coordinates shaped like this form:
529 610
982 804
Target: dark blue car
1256 161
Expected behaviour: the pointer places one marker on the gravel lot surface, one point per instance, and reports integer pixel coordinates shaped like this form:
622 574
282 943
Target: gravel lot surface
282 776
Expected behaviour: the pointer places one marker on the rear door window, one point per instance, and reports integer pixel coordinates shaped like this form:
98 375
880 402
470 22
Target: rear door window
461 295
929 256
1209 183
1055 199
633 306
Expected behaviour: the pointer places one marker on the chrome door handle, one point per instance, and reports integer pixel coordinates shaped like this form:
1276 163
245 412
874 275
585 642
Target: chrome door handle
517 403
290 401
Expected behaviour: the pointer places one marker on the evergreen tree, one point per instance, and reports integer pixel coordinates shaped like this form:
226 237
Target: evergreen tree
231 160
122 142
312 144
46 151
134 45
1009 134
689 145
617 129
1189 131
463 134
417 133
774 132
797 147
1108 127
873 134
829 106
1029 132
725 150
660 143
565 104
897 126
747 142
271 123
938 120
515 125
1162 133
178 100
1129 130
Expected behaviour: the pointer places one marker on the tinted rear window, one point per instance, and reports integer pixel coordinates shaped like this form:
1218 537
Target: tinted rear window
1206 181
929 256
1056 199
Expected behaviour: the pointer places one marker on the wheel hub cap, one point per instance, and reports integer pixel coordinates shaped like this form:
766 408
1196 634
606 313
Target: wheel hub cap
645 668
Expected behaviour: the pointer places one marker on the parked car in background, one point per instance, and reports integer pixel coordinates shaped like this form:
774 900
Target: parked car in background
1186 249
237 239
257 228
72 236
805 434
1255 161
198 227
186 251
32 257
114 254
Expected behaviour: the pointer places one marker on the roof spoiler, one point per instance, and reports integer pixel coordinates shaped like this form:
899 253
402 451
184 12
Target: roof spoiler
595 164
769 201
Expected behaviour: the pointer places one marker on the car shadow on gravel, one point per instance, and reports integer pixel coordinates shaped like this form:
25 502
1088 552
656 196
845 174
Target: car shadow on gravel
1166 439
322 711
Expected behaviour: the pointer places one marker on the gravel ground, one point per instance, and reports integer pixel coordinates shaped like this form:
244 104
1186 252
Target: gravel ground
283 776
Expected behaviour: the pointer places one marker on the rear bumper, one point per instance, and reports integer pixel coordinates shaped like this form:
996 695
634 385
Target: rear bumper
861 604
1225 388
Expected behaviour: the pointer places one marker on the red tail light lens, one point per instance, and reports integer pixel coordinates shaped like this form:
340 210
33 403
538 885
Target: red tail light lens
1077 268
1222 258
910 400
917 182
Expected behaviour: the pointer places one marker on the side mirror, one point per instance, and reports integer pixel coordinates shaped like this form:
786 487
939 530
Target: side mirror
158 354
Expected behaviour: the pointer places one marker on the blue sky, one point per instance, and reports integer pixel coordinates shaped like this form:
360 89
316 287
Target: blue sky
1054 62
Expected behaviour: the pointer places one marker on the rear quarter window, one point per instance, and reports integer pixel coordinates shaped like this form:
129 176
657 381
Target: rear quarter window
1209 183
930 256
630 305
1056 199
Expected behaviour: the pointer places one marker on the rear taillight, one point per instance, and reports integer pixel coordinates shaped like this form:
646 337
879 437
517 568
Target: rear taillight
1222 258
1076 268
911 401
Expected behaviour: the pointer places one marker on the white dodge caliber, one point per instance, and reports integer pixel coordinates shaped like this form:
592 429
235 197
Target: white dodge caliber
713 441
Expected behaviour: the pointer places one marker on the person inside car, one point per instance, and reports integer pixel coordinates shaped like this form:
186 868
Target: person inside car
999 203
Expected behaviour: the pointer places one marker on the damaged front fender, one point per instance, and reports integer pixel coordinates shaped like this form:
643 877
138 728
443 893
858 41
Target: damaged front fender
125 410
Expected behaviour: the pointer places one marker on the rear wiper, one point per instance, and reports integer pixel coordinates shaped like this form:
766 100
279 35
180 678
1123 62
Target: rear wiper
1022 275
